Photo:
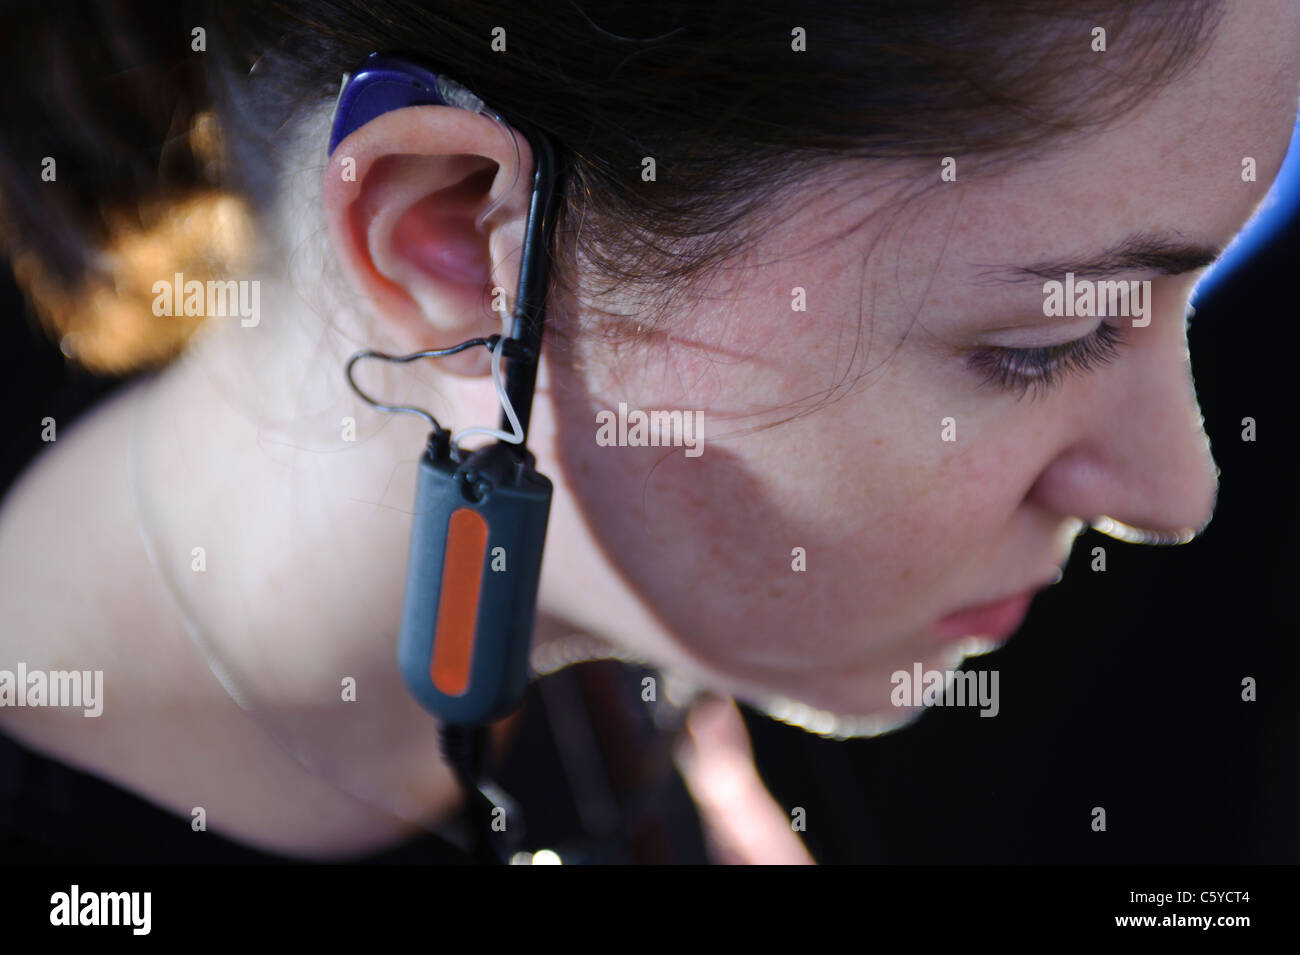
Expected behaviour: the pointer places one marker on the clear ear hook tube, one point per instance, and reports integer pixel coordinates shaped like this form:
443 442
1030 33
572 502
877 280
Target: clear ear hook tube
456 95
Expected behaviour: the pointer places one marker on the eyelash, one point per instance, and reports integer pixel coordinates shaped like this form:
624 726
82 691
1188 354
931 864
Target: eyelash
1041 369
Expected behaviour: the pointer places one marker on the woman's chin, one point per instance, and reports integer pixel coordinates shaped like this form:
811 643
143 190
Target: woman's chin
835 716
871 703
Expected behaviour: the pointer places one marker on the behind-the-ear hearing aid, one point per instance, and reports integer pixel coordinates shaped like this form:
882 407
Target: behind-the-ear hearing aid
480 517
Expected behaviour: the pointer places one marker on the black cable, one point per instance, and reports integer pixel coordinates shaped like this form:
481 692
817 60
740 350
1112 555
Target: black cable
496 820
530 310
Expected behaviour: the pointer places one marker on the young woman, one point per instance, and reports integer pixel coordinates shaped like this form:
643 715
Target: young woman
826 232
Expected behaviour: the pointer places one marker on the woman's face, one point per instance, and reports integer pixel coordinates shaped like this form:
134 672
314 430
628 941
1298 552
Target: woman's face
914 488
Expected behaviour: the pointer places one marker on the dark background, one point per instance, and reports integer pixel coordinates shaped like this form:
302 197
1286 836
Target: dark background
1122 690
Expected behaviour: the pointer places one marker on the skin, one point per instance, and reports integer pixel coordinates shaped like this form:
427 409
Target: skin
685 561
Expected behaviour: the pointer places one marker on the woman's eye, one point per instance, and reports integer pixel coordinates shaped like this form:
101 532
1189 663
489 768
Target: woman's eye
1020 369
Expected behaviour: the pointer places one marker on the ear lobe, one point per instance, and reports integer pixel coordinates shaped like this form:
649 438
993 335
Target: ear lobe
402 196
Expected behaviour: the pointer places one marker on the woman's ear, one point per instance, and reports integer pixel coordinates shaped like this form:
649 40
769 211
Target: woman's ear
402 195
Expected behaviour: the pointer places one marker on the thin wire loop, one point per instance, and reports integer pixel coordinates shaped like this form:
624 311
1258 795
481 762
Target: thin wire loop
491 342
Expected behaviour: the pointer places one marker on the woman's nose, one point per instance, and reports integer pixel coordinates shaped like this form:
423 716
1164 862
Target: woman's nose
1136 451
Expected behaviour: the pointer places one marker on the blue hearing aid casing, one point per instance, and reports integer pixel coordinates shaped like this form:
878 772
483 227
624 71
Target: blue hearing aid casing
385 83
480 517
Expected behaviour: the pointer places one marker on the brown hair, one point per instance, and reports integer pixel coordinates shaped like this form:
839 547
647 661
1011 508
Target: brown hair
716 93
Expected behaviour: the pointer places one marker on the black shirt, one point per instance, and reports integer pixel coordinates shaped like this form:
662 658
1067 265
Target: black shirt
589 766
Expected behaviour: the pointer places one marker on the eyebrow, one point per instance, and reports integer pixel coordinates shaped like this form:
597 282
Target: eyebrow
1161 253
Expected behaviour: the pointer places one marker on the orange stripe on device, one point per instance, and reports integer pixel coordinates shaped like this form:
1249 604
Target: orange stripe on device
462 579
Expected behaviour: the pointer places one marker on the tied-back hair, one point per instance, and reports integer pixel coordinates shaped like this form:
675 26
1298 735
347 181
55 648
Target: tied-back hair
168 123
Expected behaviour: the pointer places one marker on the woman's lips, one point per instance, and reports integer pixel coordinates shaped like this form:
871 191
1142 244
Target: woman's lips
999 619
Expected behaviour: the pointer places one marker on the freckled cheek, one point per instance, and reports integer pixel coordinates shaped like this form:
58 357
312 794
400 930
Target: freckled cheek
962 509
914 522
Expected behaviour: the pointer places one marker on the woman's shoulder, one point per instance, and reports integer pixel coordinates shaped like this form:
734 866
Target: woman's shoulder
80 597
